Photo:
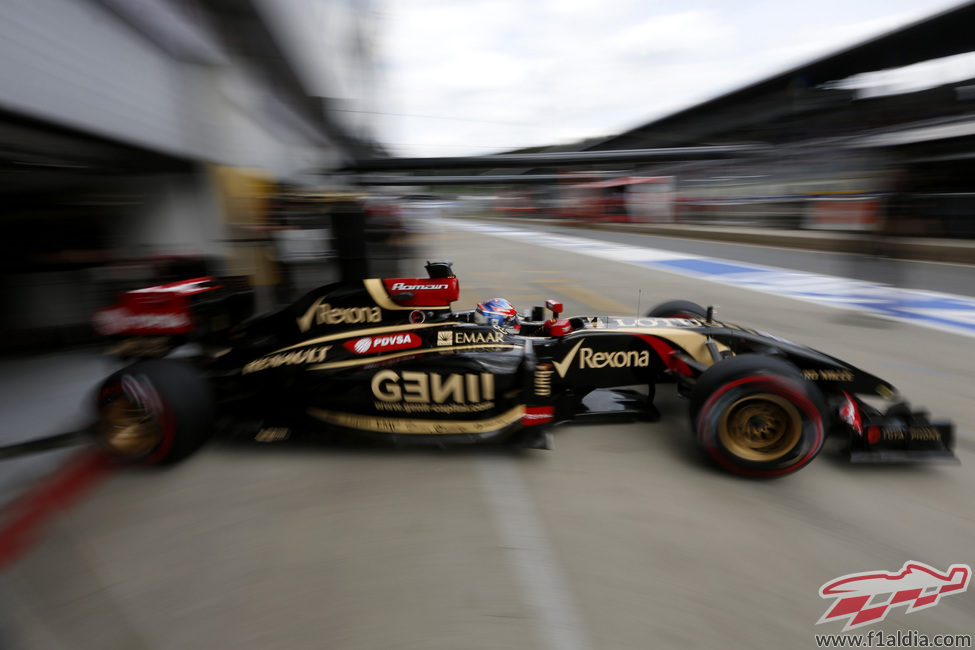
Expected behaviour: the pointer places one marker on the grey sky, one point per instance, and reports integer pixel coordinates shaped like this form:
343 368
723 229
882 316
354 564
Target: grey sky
477 76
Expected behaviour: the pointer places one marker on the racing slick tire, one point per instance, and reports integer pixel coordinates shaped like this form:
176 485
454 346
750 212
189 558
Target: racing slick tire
678 309
154 412
758 416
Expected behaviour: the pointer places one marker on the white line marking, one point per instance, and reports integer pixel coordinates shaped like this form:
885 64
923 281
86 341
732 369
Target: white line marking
532 558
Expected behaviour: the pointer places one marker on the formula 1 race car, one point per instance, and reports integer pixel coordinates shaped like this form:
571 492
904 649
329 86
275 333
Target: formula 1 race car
389 359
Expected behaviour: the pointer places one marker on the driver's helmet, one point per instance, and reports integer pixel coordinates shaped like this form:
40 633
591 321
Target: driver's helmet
498 312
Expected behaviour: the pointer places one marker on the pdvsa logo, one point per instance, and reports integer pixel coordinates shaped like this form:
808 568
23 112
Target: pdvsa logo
387 343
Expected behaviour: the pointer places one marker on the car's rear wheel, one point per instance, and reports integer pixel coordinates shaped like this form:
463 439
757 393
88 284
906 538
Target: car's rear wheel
153 412
757 416
678 309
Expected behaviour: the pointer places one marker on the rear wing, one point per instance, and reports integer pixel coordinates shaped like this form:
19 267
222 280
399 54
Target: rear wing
204 304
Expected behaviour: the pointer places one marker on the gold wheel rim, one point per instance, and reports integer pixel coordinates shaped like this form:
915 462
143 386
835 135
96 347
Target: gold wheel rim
760 428
128 428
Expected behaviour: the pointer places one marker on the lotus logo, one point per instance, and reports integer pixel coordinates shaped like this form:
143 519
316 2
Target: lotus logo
866 598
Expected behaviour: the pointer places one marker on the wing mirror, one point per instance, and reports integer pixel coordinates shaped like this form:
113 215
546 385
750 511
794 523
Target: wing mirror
554 306
440 269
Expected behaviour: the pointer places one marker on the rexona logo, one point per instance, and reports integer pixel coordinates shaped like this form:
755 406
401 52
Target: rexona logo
322 313
400 286
866 598
589 358
387 343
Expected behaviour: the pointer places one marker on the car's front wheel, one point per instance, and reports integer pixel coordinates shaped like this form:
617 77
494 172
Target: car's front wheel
757 416
153 412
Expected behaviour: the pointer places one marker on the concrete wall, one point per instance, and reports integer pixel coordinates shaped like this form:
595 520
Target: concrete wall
178 216
146 73
74 63
77 64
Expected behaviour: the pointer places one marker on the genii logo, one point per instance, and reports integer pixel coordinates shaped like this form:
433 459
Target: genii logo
386 343
431 387
866 598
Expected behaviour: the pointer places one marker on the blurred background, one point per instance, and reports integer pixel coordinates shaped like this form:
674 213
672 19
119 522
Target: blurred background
143 141
291 143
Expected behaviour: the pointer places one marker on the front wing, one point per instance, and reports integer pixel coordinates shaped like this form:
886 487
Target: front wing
902 436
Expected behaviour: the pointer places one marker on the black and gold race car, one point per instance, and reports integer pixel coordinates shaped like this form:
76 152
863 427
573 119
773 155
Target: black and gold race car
389 359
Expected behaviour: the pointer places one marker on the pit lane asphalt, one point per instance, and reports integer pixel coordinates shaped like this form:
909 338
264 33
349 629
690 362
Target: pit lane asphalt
618 538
